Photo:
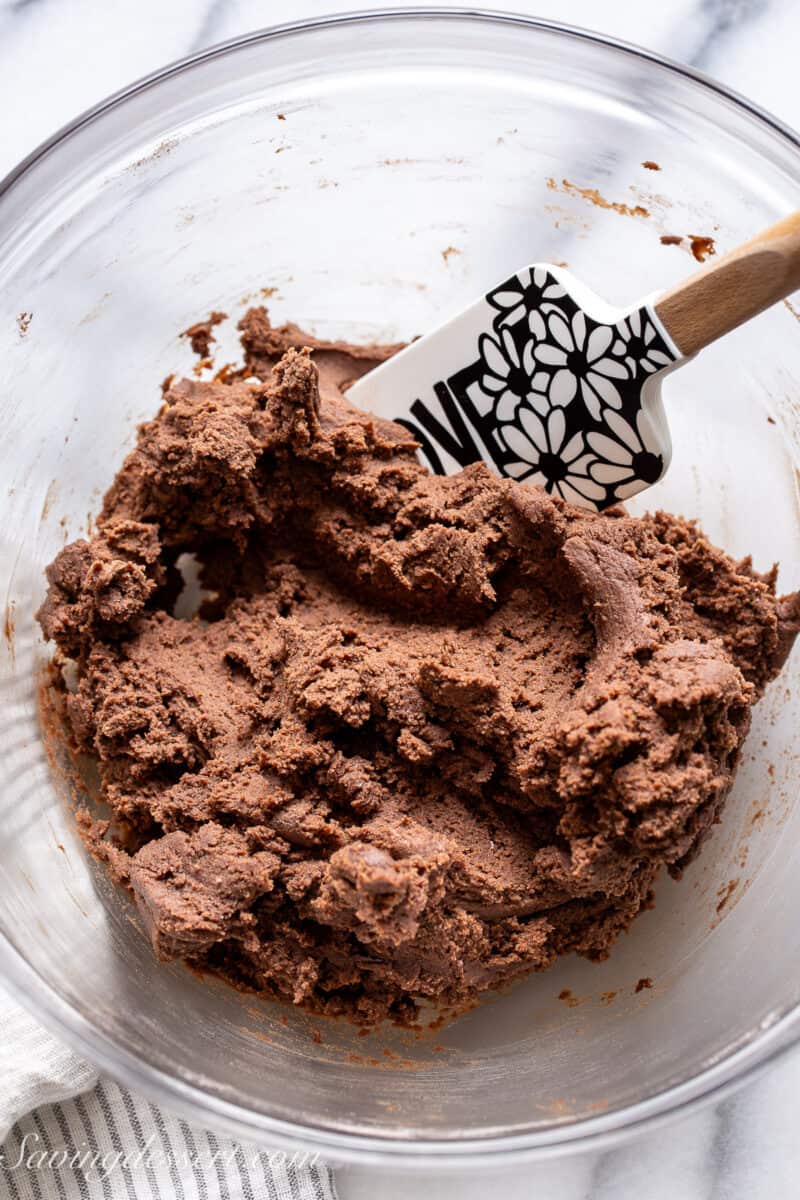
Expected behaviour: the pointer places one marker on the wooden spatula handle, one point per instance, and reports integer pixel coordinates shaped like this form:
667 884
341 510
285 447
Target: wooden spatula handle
734 288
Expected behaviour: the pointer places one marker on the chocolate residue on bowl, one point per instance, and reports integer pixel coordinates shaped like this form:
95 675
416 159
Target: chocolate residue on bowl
201 334
650 165
164 147
725 893
702 246
9 628
593 196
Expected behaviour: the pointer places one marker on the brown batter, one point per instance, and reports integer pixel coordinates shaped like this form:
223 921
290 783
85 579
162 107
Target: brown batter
425 734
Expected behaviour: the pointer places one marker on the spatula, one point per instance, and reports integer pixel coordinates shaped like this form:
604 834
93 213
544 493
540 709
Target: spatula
549 384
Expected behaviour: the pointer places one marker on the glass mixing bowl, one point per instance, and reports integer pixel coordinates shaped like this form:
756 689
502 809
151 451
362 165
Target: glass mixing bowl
372 174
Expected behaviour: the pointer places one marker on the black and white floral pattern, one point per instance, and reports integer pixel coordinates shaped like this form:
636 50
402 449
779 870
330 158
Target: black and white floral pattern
641 344
626 458
523 294
553 395
509 372
579 361
544 455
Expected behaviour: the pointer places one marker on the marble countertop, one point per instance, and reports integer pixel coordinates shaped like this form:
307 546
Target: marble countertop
56 59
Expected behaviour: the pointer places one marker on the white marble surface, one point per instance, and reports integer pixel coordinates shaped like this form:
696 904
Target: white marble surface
57 57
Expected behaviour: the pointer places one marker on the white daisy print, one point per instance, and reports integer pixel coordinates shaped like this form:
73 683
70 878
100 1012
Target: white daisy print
556 396
523 293
637 342
579 362
627 459
546 457
509 374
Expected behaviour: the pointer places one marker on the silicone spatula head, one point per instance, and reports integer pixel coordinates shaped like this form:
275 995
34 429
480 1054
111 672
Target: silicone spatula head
550 385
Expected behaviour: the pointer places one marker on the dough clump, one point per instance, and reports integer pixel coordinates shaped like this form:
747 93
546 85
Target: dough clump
425 734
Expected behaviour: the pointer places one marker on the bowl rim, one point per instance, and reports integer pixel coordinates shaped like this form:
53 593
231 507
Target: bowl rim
718 1078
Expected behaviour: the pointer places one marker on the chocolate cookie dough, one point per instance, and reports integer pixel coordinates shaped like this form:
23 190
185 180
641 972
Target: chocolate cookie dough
424 734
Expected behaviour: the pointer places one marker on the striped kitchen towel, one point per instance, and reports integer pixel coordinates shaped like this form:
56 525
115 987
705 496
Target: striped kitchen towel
67 1134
